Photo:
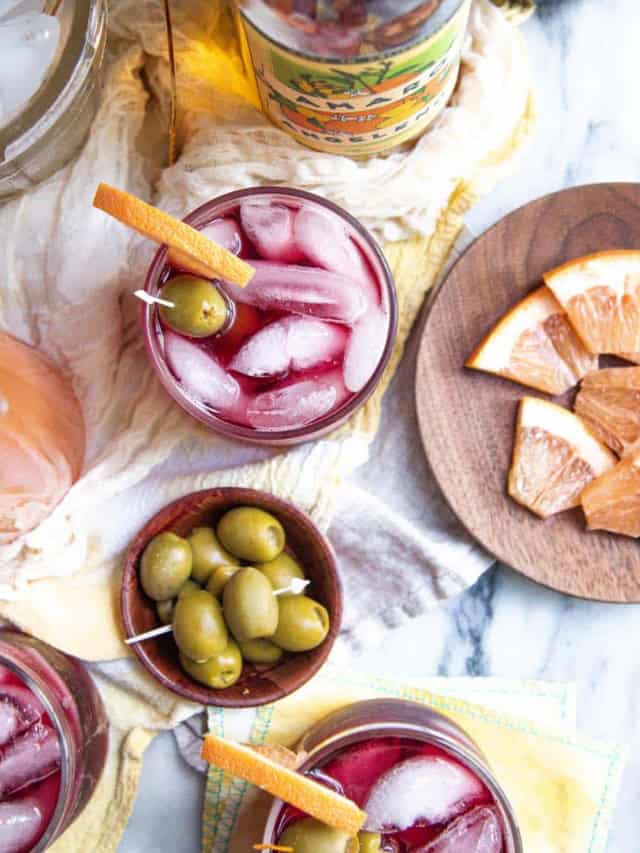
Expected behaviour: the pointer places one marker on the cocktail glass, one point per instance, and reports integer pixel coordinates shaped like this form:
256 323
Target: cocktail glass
326 293
413 770
54 735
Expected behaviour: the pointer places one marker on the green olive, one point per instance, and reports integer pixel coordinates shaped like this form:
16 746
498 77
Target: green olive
218 579
220 671
251 534
370 842
311 836
250 607
282 570
198 626
302 623
260 651
164 609
207 554
165 566
199 308
187 588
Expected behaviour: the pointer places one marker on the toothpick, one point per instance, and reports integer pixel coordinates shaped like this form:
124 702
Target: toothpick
153 300
295 587
156 632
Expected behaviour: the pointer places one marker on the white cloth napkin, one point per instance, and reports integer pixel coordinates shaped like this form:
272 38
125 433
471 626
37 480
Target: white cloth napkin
70 272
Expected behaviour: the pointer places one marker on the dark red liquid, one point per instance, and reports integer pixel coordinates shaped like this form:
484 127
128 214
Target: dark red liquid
29 765
356 770
286 359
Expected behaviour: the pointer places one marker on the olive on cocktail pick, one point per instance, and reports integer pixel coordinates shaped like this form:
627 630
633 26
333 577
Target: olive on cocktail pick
195 307
311 836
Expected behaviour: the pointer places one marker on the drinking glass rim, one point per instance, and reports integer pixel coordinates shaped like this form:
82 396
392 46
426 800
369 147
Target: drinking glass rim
199 218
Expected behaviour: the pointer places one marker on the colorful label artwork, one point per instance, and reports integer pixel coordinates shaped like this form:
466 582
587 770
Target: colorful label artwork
358 107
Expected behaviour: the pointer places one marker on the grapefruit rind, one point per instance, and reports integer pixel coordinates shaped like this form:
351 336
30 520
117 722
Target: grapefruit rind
524 346
554 457
284 783
194 250
612 501
601 295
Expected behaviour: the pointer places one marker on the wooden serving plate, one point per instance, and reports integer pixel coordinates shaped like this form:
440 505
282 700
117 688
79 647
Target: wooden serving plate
259 684
467 418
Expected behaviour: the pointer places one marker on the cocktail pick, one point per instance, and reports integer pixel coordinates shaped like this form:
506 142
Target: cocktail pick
153 300
296 587
149 635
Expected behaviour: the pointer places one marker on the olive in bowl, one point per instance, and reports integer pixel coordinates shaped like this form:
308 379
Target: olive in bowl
251 612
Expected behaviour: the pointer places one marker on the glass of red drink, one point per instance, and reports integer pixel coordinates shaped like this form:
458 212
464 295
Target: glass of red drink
306 341
424 784
53 742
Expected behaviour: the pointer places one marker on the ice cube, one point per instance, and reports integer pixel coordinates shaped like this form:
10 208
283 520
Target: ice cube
477 831
200 374
301 290
297 343
19 709
270 228
357 767
21 824
28 44
312 342
29 758
426 788
298 403
365 348
12 8
324 240
265 353
225 232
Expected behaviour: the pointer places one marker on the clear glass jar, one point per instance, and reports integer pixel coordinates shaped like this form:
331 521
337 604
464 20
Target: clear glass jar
73 705
54 123
375 718
157 275
354 77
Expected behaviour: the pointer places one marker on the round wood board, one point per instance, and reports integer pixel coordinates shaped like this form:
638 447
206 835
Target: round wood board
467 418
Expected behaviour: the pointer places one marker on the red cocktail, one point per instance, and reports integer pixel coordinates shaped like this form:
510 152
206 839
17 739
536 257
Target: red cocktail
53 741
297 350
421 781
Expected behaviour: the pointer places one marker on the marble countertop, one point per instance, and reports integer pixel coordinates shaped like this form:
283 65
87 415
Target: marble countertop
586 64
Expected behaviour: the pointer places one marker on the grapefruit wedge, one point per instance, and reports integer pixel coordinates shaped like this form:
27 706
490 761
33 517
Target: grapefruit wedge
266 772
535 345
609 403
601 295
554 458
612 501
187 247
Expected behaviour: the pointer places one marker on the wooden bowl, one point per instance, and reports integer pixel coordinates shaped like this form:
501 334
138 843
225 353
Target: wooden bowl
259 684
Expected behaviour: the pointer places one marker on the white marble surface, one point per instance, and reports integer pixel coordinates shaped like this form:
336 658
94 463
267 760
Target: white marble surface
586 68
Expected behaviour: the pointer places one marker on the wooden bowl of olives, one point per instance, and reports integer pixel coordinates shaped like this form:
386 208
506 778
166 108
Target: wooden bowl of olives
224 568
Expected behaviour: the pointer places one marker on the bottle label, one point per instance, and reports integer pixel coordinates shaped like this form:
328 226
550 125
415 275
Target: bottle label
358 107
